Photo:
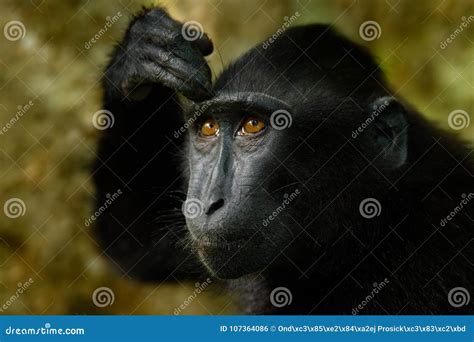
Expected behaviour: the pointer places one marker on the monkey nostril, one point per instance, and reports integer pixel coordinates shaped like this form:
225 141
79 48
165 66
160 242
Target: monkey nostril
215 206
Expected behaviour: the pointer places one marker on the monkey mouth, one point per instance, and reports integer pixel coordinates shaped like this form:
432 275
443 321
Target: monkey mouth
229 258
209 243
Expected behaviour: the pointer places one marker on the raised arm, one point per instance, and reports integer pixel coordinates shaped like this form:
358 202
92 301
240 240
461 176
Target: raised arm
136 172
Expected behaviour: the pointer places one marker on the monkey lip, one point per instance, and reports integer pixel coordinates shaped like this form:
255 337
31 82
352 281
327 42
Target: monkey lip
216 244
232 258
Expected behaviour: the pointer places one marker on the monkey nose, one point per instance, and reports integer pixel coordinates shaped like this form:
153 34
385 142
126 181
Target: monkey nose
216 205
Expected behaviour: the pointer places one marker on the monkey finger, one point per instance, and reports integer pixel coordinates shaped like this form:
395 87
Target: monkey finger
205 45
180 83
198 75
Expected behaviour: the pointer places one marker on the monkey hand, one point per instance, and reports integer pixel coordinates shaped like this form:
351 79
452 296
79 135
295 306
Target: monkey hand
159 50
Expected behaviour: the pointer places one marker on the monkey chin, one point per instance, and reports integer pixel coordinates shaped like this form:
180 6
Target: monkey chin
231 260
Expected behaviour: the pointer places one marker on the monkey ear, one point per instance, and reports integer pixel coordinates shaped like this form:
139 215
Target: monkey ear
389 132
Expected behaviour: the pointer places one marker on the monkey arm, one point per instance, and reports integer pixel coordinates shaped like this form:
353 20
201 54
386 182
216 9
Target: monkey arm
142 229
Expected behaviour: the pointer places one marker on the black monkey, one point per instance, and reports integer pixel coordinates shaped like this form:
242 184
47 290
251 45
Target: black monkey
297 177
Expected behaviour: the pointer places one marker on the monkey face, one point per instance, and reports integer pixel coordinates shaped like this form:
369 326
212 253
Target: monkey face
232 211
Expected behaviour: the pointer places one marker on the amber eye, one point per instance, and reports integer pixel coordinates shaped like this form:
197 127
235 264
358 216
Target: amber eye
209 128
252 125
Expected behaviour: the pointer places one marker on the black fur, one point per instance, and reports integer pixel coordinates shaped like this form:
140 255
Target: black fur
320 247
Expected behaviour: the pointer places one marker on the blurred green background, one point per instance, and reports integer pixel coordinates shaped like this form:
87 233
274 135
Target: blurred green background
49 89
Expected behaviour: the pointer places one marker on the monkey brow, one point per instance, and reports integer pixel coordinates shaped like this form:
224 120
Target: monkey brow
240 101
